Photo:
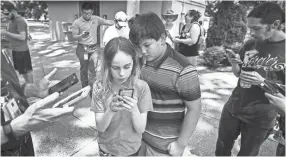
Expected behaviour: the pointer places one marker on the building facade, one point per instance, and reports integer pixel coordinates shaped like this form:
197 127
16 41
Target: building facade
63 13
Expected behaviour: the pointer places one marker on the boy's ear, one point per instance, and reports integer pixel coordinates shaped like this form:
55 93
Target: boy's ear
276 24
163 39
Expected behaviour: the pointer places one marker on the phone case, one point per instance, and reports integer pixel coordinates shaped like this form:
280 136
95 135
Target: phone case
73 98
64 84
126 92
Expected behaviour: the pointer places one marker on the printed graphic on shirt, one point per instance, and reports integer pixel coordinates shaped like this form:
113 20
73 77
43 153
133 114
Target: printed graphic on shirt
268 63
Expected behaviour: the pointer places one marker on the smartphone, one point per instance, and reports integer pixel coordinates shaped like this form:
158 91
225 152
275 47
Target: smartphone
73 98
64 84
230 52
126 92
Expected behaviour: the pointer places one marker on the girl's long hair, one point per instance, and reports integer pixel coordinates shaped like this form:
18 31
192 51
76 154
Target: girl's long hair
111 48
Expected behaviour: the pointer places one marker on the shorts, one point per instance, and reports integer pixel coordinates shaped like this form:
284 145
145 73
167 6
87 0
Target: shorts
22 61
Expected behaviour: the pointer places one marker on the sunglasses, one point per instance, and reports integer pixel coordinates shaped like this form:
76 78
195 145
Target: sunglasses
5 14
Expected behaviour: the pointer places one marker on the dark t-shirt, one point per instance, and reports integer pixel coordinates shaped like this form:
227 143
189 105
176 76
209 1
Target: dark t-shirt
9 80
17 26
187 50
249 104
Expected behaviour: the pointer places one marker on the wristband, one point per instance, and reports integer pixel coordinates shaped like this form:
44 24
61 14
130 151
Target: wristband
8 131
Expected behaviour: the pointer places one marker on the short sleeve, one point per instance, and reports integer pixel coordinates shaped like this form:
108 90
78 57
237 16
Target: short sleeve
97 102
75 27
22 26
144 97
188 84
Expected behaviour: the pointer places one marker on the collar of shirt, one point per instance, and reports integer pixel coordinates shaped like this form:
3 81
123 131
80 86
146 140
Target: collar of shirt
156 63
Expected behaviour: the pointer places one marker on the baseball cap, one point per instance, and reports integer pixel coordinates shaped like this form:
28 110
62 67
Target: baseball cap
121 18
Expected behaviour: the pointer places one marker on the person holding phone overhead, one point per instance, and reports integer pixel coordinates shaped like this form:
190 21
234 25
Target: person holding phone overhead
120 119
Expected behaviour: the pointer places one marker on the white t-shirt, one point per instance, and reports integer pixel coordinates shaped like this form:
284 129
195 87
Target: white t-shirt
112 32
174 31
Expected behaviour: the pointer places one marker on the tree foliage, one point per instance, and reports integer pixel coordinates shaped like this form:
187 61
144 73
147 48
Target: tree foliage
228 23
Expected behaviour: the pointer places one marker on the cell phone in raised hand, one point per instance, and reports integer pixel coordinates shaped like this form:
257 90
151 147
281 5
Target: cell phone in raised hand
73 98
64 84
229 52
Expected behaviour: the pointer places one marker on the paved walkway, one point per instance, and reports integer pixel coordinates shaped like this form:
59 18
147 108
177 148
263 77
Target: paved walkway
76 135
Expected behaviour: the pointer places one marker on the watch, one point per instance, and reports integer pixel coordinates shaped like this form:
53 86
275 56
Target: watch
8 131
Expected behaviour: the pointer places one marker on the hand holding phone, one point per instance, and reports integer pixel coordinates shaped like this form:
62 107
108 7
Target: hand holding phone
64 84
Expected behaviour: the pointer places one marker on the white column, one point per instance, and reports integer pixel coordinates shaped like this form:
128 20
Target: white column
133 7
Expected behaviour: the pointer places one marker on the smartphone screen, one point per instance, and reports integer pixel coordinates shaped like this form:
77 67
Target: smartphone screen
64 84
126 92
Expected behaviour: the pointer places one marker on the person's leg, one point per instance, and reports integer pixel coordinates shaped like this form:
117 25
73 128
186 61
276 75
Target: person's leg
28 71
251 139
83 65
23 64
228 131
280 151
28 76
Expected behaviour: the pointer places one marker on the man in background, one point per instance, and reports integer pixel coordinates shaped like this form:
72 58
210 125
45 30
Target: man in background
84 29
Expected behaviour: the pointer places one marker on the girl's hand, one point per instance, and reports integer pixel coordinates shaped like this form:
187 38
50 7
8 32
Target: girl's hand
130 104
114 104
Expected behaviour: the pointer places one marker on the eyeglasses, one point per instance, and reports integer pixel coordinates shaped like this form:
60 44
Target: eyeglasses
5 14
89 13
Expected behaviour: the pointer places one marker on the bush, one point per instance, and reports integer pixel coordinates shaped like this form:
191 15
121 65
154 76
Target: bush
228 24
213 56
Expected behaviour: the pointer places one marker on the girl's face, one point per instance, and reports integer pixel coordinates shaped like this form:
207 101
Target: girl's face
121 67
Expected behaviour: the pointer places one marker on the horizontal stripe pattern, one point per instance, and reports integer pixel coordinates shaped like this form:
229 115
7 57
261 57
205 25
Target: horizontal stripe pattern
172 80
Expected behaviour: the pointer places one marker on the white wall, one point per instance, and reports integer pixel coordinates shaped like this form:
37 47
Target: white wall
61 11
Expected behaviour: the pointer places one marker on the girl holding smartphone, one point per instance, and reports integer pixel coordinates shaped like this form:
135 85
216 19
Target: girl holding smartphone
120 120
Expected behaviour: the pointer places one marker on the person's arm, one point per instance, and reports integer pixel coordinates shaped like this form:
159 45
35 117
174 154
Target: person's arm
75 31
192 38
139 121
37 116
188 87
190 121
21 36
277 100
103 119
103 21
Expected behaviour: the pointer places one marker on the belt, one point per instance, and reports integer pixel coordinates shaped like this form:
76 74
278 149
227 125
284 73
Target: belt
88 45
103 153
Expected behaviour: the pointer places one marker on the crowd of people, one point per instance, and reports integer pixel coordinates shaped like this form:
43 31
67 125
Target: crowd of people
146 93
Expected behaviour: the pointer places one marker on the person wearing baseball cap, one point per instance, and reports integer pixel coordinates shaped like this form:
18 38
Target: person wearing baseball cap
119 29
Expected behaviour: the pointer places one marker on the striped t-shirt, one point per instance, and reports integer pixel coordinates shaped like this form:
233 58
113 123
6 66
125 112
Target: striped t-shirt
172 79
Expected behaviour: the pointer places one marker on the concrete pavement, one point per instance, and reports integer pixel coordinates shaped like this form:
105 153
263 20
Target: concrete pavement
76 135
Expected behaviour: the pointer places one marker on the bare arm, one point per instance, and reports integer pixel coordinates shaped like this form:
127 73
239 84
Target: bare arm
107 22
190 121
21 36
103 119
139 121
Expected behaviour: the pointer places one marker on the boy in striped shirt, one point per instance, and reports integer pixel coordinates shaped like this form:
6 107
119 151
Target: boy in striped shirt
174 86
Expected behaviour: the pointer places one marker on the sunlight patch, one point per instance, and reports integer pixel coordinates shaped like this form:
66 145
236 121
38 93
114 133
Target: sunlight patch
56 53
